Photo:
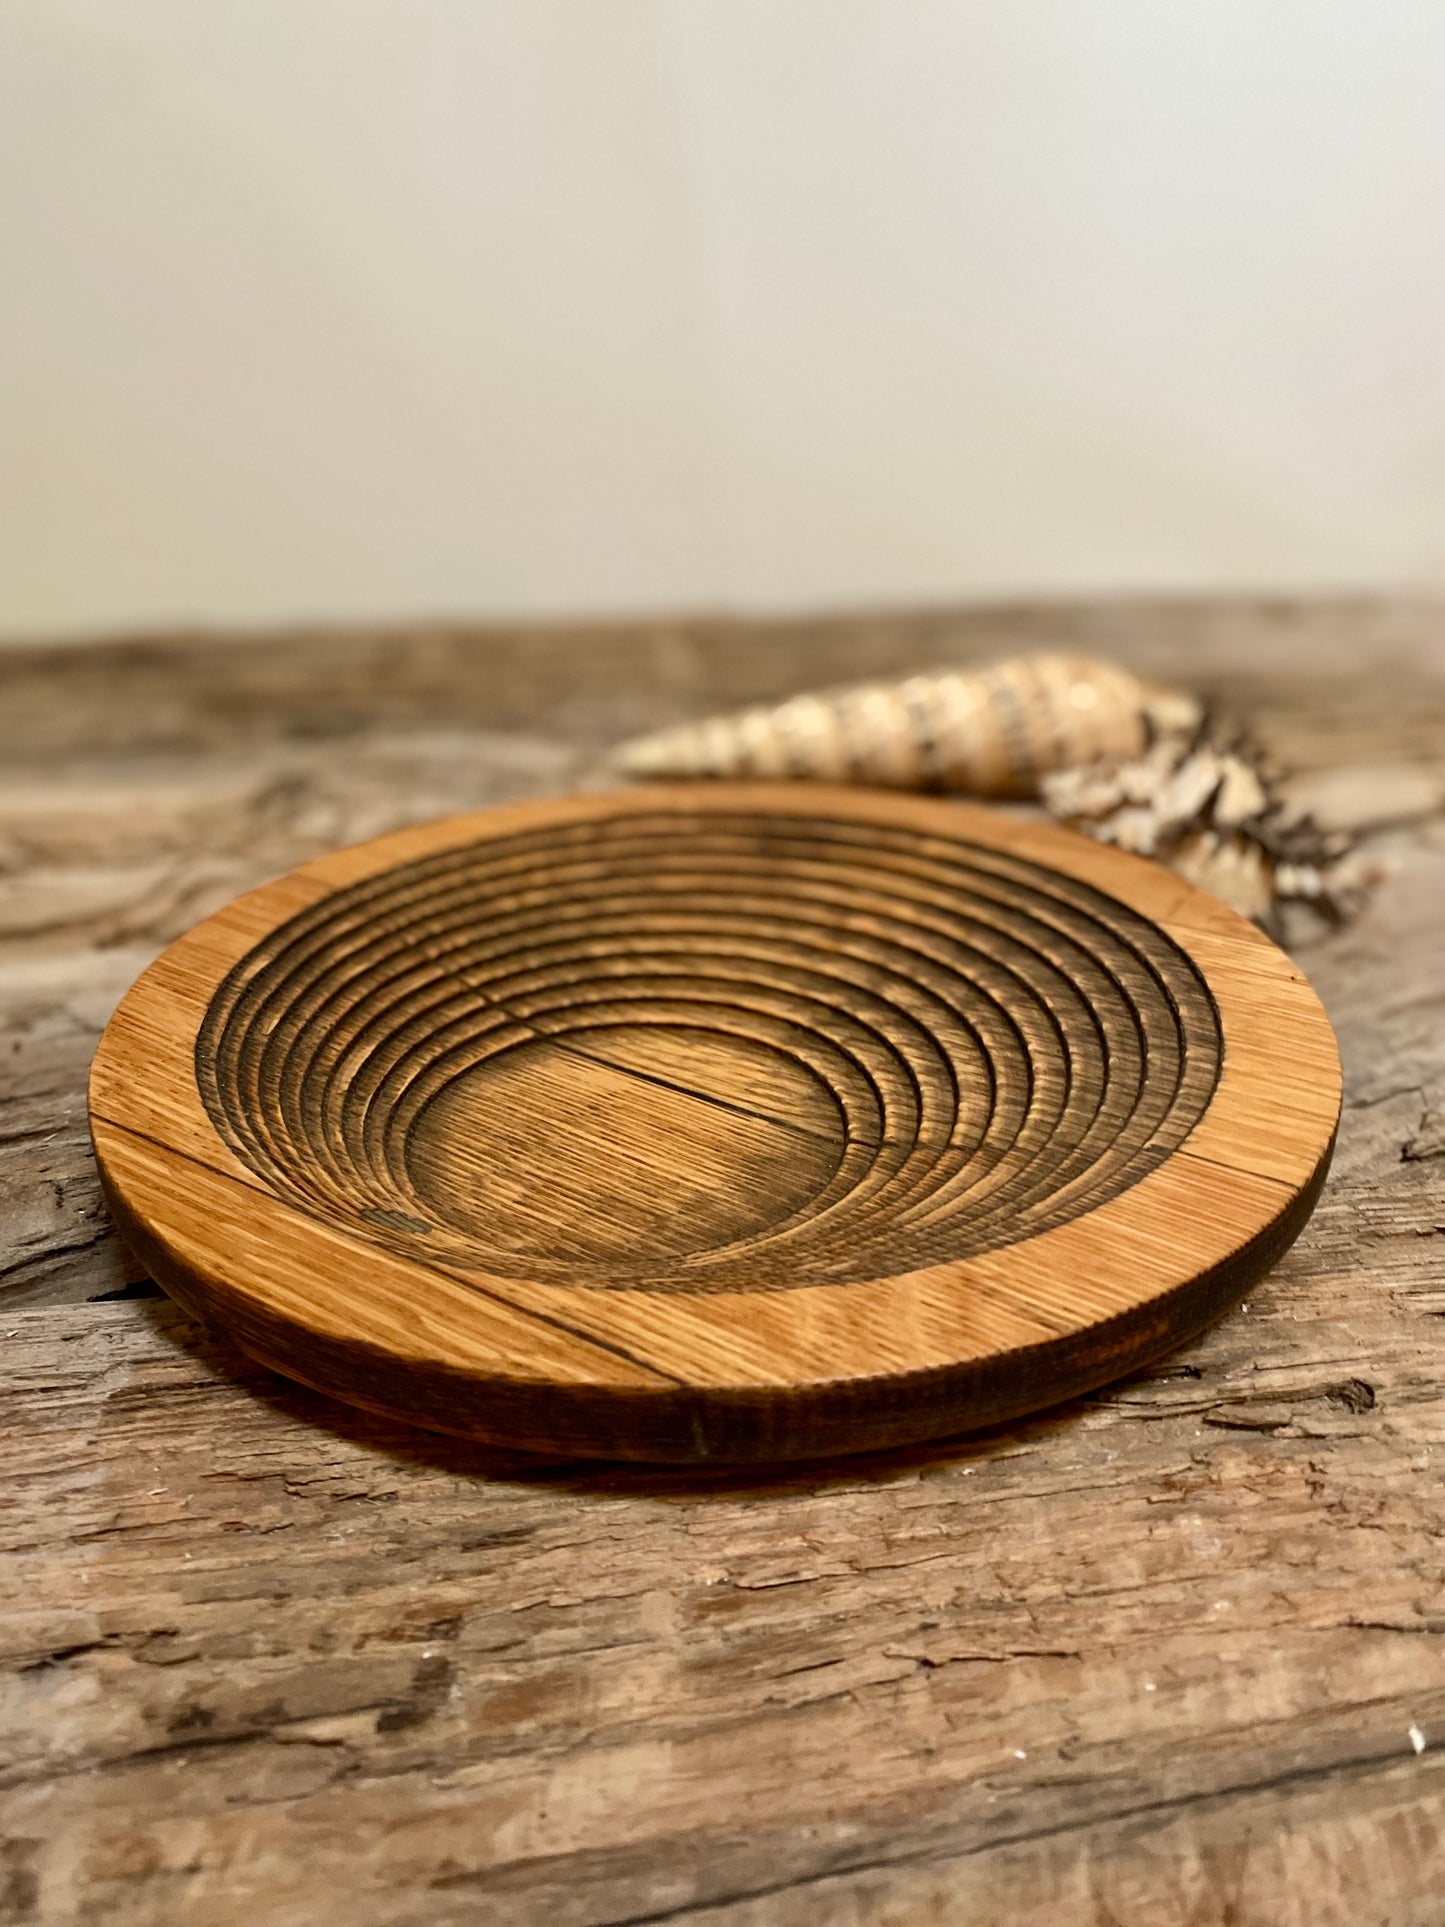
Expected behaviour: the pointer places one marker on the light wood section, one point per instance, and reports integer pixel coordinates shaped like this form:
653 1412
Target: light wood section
843 1119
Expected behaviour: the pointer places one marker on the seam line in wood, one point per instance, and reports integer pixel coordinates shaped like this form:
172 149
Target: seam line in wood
465 1279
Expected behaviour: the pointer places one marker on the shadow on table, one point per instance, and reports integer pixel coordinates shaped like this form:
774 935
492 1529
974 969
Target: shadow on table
466 1458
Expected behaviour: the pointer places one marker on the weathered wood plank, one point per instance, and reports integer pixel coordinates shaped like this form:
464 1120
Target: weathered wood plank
1166 1655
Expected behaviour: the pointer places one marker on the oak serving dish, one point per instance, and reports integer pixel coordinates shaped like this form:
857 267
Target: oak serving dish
730 1122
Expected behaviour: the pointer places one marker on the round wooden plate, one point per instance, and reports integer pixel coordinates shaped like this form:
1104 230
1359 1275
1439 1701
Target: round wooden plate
731 1122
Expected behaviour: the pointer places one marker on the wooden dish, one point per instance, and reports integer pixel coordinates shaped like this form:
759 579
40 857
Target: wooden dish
724 1122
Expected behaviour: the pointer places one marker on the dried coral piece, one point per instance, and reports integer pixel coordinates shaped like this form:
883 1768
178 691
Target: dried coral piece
988 732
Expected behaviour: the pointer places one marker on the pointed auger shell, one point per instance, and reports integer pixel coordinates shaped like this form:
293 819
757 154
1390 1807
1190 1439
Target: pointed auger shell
981 732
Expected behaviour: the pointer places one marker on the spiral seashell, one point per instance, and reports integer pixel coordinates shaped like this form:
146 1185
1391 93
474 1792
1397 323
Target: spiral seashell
1212 808
986 732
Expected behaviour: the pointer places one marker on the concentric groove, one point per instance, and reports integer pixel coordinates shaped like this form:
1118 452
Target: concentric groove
971 1048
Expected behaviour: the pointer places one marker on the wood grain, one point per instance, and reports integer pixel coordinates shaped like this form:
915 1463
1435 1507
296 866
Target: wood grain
266 1658
816 1125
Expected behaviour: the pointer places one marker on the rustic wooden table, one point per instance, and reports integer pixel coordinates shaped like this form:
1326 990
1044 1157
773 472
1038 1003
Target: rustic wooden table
1173 1654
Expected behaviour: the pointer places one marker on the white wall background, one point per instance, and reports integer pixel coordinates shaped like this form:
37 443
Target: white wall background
351 307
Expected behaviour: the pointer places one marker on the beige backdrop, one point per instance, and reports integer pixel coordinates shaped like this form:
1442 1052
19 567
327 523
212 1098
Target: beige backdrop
371 306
